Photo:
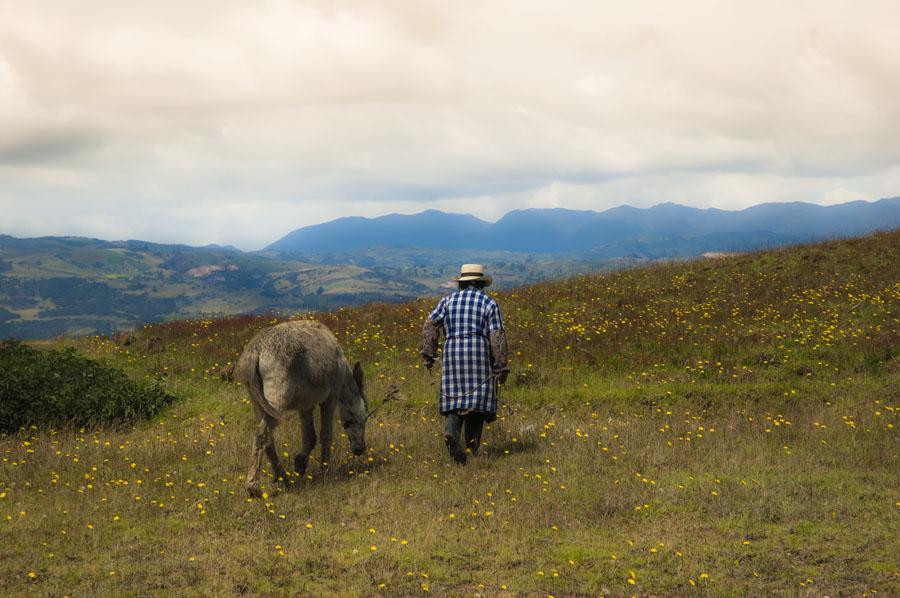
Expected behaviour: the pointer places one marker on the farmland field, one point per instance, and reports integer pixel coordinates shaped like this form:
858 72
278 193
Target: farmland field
723 427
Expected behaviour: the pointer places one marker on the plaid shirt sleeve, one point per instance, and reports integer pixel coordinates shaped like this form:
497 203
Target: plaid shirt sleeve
495 322
437 315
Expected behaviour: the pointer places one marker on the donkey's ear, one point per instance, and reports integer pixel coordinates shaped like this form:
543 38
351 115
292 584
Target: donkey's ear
358 375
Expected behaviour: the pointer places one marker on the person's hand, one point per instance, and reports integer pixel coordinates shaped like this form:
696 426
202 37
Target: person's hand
501 377
428 362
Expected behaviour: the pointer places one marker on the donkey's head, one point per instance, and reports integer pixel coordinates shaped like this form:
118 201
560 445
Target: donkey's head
354 410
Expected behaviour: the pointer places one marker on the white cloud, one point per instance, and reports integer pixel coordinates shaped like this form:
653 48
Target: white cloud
233 122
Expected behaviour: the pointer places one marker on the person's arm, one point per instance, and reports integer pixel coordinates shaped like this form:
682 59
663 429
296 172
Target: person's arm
499 354
499 348
431 333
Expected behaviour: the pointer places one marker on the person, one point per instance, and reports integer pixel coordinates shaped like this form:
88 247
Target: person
474 359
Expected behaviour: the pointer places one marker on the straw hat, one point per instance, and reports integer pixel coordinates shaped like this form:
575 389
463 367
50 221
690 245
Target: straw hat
473 273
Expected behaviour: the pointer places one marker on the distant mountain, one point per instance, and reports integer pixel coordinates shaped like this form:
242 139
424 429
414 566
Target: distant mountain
553 231
795 219
664 230
426 229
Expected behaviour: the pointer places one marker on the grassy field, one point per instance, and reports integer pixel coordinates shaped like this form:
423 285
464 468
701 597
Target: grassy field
722 427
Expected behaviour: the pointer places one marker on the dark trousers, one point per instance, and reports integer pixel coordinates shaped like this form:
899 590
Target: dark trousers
474 424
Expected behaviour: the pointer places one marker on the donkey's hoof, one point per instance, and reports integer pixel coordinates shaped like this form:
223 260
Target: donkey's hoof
254 490
281 476
300 464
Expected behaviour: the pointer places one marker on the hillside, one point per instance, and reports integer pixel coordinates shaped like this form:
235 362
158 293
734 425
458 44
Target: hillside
664 230
58 285
723 426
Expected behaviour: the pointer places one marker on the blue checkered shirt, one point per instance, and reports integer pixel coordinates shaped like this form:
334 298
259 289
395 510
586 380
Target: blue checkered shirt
466 376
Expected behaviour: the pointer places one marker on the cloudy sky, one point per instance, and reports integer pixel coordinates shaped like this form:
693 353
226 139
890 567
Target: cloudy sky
236 122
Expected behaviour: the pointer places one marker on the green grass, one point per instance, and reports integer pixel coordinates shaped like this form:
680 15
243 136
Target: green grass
751 449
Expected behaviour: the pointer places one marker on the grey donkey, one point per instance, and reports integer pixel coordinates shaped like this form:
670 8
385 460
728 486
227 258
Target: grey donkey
296 366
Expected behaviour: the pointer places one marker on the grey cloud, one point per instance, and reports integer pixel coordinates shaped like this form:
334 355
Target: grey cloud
48 145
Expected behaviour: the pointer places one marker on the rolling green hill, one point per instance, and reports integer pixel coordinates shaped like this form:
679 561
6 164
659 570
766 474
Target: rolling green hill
717 427
74 286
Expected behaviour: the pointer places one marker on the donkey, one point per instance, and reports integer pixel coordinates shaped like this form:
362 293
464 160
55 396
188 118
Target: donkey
295 366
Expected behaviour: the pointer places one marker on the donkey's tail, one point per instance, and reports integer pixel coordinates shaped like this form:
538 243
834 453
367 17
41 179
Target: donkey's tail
257 396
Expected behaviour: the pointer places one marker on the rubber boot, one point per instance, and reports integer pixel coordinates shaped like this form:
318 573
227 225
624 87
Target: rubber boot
452 427
474 424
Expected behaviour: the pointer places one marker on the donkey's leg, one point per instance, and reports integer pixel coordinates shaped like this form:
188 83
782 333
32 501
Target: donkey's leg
272 453
308 439
327 430
276 394
263 433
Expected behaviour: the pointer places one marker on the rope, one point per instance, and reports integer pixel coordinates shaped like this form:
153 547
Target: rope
493 376
471 392
380 405
500 404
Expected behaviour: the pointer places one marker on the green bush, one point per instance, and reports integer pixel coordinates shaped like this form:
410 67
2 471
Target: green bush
60 387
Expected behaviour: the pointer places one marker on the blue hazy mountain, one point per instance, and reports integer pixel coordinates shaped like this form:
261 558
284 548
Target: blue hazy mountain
665 230
431 229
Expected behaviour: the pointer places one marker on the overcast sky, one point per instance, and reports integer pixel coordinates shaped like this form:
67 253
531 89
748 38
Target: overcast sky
236 122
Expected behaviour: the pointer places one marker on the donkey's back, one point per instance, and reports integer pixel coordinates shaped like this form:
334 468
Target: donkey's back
298 364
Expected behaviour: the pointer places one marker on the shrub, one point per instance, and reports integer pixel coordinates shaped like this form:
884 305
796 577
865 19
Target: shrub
61 387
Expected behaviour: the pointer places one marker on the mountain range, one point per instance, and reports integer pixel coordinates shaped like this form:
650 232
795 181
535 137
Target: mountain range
665 230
